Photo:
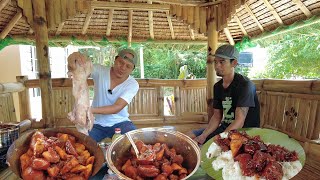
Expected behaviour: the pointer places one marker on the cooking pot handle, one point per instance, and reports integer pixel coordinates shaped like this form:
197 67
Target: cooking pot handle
24 125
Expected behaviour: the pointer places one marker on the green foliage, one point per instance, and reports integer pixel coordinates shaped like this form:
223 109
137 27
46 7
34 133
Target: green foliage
104 55
161 61
242 70
164 61
10 41
295 57
245 43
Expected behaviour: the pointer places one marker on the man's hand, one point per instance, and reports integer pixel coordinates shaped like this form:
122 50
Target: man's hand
77 57
200 139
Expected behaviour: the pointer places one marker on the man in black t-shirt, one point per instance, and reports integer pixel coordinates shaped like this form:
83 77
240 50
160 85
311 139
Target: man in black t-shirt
235 100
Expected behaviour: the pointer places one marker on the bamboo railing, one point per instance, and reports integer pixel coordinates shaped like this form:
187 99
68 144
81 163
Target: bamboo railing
146 109
292 107
289 106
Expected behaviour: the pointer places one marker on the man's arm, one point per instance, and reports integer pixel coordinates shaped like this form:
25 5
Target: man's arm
212 126
112 109
214 122
240 117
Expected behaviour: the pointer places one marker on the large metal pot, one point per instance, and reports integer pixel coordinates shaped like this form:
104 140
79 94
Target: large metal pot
21 145
183 144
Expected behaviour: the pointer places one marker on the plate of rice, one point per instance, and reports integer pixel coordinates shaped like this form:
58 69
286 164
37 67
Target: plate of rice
252 153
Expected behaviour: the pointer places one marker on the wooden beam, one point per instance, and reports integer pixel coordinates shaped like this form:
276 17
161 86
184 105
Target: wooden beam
178 12
26 5
190 19
211 72
178 2
130 16
273 11
10 25
63 10
203 20
110 19
302 7
150 17
197 19
170 25
42 44
60 27
87 21
229 36
24 100
253 16
50 14
240 25
3 4
211 3
67 39
11 87
57 12
129 6
287 30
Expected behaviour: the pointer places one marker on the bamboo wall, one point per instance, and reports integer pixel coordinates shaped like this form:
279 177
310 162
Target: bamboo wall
291 106
7 111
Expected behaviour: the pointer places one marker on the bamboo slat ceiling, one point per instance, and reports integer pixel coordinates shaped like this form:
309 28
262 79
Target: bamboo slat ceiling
160 20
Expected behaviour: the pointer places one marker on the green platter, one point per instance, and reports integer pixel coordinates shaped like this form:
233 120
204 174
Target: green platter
267 135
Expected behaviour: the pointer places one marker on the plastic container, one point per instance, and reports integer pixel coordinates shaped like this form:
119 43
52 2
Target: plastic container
117 133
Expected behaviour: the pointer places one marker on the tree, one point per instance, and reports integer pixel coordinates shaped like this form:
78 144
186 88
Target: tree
163 61
295 57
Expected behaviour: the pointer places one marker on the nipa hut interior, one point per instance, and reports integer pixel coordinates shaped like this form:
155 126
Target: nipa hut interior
292 107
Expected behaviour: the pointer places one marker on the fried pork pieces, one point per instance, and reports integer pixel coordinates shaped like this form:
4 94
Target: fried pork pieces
59 157
255 158
157 162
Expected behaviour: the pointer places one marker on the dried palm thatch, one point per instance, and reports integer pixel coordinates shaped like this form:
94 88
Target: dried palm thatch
153 20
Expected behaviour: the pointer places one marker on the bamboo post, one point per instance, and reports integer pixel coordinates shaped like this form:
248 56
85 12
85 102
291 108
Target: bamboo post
41 32
177 101
211 73
160 101
24 102
190 19
185 13
197 18
179 12
203 20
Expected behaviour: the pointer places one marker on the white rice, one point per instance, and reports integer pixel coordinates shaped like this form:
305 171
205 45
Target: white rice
231 169
233 172
224 135
224 160
290 169
214 150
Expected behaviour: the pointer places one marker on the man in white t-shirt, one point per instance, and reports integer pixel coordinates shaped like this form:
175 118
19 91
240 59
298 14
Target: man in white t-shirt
114 89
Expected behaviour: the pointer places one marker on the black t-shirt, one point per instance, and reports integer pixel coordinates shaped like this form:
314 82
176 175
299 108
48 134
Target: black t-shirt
240 93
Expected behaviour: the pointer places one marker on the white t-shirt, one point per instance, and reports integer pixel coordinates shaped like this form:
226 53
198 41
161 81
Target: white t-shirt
126 90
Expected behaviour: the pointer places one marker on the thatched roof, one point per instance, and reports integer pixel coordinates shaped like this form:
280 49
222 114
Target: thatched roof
158 20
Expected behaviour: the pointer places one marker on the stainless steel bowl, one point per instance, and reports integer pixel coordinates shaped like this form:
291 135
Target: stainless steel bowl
21 145
184 145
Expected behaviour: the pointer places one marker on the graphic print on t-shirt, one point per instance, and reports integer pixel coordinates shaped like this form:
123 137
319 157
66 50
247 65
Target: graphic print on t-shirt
228 113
